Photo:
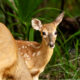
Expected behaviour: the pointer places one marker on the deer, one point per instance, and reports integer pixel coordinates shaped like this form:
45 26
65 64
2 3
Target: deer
37 55
12 65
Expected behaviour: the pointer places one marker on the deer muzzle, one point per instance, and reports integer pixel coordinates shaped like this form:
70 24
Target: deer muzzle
51 42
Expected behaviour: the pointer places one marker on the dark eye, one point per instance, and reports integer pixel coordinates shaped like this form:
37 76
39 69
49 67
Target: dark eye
56 33
43 33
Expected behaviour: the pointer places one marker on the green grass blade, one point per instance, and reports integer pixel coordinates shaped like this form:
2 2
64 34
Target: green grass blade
31 35
72 36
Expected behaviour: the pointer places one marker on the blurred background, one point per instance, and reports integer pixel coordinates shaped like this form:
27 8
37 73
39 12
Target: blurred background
17 15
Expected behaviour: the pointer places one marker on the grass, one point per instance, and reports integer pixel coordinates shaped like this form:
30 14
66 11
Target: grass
65 62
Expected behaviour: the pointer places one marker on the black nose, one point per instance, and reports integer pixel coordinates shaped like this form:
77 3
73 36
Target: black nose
51 44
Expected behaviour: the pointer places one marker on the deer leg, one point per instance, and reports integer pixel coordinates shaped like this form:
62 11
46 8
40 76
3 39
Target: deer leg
21 70
35 78
1 76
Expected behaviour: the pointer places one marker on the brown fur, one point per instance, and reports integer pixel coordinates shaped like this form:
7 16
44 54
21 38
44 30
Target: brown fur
11 63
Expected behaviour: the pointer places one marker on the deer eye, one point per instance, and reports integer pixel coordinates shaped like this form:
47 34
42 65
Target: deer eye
43 33
55 33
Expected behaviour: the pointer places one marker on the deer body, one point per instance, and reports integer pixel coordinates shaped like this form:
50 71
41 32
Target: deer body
37 52
18 71
37 58
35 55
11 63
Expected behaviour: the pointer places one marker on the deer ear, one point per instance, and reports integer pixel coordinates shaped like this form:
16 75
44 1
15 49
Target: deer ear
36 24
58 20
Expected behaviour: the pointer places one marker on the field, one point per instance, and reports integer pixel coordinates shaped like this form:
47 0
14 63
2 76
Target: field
65 62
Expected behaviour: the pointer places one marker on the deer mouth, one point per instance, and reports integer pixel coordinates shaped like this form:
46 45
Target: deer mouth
52 45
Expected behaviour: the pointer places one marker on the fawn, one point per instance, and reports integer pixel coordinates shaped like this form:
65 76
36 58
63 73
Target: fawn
11 63
35 55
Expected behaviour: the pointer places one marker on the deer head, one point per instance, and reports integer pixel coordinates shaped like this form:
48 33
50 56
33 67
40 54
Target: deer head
48 31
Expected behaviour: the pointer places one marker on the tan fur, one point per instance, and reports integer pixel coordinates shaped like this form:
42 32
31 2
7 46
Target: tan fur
35 55
11 63
7 48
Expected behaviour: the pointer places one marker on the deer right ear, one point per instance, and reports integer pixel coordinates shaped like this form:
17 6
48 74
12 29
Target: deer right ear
59 19
36 24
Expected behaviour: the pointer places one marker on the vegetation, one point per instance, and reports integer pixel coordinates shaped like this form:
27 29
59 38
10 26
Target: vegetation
65 62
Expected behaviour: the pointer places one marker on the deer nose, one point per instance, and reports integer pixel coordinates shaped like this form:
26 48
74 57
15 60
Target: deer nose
51 44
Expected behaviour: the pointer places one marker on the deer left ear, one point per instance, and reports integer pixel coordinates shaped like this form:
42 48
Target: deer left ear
58 20
36 24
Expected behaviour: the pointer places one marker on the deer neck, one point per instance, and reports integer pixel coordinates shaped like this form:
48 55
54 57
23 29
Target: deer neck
46 52
45 47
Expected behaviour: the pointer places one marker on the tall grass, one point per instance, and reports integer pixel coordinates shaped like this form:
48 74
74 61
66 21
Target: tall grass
64 63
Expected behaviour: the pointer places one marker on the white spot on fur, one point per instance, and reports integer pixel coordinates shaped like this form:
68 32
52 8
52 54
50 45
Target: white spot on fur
38 53
26 62
54 34
26 55
34 54
22 46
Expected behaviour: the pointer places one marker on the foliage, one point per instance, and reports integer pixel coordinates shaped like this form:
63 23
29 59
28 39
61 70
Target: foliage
17 16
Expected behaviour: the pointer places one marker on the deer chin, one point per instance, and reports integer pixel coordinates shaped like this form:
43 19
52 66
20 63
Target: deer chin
52 46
